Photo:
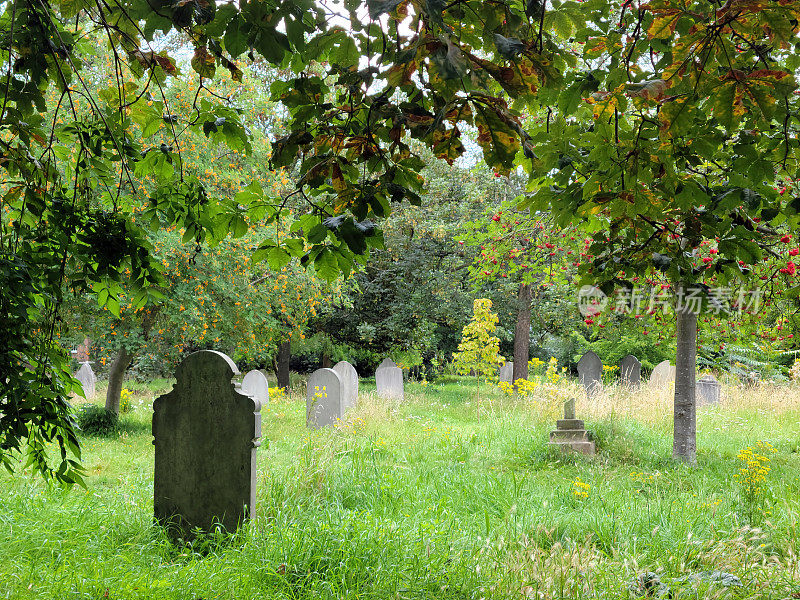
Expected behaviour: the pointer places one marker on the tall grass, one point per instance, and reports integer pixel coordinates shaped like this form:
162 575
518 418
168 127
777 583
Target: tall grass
424 500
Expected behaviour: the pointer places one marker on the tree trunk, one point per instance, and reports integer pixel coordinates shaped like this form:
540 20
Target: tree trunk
116 374
684 445
326 361
281 365
522 333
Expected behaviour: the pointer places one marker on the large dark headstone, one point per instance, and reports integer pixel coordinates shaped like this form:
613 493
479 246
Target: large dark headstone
206 434
630 371
590 373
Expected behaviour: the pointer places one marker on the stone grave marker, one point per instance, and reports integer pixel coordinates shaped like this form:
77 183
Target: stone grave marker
570 433
630 370
87 378
507 372
255 384
323 398
590 373
707 390
349 378
206 433
662 374
389 380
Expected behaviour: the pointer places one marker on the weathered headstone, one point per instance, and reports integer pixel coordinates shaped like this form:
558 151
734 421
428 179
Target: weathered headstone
507 372
255 384
707 390
205 434
349 378
663 374
590 373
323 398
630 371
570 433
87 378
389 380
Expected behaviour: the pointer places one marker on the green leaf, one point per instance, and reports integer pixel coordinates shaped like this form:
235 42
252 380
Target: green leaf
378 7
277 258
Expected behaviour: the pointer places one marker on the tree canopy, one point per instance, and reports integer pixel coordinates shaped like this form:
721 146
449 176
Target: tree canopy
658 124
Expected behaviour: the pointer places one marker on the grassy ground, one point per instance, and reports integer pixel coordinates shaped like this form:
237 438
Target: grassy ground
430 499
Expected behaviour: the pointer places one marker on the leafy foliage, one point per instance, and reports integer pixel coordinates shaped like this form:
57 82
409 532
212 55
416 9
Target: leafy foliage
96 420
479 349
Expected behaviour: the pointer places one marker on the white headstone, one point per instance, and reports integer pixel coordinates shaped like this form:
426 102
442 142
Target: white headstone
590 373
88 379
507 372
389 380
323 398
255 384
662 374
349 378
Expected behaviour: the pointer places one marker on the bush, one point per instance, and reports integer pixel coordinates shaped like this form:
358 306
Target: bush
96 420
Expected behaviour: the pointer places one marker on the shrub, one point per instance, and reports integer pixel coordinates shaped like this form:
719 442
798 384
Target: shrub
96 420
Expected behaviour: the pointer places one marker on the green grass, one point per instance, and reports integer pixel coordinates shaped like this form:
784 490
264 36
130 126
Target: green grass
426 500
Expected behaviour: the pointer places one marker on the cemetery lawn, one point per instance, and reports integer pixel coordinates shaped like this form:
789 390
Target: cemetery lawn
429 500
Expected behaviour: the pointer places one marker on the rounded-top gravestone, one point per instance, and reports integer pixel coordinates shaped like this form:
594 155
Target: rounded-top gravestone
323 398
349 378
590 373
663 374
630 370
206 433
389 380
255 384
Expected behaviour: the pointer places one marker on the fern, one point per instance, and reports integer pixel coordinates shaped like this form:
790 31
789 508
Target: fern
743 361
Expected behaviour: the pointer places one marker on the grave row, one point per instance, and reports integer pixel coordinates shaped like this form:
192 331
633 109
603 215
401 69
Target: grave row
207 429
590 374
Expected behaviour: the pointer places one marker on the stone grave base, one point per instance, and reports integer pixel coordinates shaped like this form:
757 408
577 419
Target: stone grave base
570 435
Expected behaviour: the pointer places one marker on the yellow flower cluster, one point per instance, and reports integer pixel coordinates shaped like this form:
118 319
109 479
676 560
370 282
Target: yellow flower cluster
755 467
277 393
553 375
506 387
125 404
580 489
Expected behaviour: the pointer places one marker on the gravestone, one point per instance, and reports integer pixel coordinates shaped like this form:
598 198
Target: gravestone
662 374
507 372
255 384
206 433
389 380
349 378
630 370
707 390
570 433
323 398
87 378
590 373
